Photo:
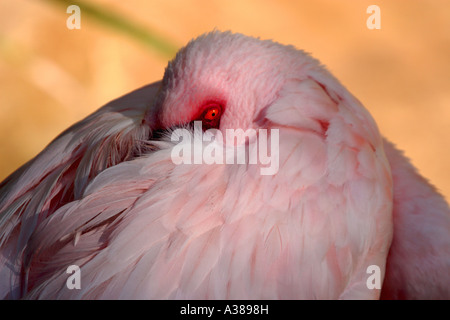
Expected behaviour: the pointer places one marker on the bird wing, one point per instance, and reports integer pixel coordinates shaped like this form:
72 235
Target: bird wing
61 172
149 228
136 226
344 195
419 259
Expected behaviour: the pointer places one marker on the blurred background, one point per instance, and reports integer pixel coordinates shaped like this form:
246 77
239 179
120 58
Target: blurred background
51 76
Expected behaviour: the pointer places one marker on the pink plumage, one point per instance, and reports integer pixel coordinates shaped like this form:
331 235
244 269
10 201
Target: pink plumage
107 196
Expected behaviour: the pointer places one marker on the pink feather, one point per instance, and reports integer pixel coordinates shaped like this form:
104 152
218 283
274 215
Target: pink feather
106 196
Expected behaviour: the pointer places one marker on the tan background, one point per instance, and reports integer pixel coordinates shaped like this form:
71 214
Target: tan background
51 76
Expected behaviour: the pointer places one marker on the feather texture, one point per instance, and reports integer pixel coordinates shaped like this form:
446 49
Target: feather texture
107 197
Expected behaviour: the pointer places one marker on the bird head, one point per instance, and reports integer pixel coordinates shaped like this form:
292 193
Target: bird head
225 80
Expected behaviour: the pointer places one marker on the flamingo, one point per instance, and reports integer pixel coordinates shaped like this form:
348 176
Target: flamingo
108 196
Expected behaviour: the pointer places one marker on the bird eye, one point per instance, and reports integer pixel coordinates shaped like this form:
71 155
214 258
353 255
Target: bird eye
211 113
210 117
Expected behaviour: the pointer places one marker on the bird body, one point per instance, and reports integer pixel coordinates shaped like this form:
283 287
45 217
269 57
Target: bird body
107 195
418 264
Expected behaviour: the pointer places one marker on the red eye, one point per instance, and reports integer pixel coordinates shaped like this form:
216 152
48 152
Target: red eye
210 116
211 113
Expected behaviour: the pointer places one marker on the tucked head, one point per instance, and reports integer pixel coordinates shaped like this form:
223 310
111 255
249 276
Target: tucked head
225 79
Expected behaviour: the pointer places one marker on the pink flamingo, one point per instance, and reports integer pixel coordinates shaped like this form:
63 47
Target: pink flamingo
107 196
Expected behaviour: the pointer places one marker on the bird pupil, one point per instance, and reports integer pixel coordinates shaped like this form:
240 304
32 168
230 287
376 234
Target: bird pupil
211 114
